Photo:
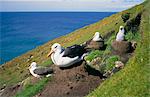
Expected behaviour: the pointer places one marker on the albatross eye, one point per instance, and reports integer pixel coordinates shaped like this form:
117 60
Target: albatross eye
55 46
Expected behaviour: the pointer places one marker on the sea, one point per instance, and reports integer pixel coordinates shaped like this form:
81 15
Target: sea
24 31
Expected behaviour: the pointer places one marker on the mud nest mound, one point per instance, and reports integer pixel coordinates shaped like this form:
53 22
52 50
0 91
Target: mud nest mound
94 45
122 47
76 81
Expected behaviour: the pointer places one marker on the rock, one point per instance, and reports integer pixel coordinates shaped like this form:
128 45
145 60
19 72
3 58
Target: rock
95 62
107 74
119 64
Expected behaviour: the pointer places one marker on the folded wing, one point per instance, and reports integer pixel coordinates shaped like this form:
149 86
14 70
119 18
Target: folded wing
43 71
74 51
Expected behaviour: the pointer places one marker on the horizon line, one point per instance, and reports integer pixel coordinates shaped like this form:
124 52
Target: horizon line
60 11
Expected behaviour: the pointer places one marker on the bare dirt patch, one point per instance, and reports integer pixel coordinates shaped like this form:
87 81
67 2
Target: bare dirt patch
75 81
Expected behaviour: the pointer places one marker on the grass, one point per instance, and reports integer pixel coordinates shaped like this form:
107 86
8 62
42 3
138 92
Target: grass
133 80
94 54
30 90
107 52
110 62
46 63
132 36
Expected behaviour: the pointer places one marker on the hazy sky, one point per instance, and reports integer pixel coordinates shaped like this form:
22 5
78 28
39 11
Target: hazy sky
67 5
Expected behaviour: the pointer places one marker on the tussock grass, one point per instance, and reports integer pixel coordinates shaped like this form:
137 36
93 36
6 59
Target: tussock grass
132 36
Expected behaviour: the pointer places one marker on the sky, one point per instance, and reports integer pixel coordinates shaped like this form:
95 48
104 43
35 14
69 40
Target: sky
67 5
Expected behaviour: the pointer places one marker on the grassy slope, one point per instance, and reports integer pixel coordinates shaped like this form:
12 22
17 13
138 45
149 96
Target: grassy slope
133 80
16 70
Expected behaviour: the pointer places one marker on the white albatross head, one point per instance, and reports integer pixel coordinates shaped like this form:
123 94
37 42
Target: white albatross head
97 37
120 34
121 29
54 48
33 65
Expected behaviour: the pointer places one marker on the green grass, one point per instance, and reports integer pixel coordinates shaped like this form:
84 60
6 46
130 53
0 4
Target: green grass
133 80
30 90
94 54
107 52
132 36
110 62
46 63
125 16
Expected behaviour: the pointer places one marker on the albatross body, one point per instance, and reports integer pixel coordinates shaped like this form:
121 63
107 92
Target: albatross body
120 34
39 71
66 57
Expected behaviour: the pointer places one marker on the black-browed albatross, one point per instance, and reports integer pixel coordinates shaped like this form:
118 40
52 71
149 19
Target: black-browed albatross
66 57
40 71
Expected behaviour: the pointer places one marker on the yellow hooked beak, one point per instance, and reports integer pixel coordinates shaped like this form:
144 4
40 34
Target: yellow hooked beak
50 53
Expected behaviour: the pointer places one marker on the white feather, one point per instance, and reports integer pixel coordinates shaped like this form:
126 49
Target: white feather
97 37
32 68
59 60
120 34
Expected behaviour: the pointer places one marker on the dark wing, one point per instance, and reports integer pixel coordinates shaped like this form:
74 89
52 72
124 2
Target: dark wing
43 71
73 51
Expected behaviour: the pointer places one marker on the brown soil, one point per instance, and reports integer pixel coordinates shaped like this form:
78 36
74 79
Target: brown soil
10 90
75 81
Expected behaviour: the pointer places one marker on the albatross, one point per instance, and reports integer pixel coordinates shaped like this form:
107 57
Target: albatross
97 37
97 42
120 34
66 57
40 71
